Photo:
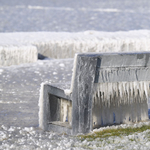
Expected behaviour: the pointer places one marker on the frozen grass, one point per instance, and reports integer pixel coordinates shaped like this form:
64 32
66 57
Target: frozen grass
133 136
114 132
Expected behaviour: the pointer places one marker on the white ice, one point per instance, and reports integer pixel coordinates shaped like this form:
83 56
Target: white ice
33 138
66 44
120 102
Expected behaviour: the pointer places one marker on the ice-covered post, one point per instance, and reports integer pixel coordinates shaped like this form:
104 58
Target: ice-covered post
82 91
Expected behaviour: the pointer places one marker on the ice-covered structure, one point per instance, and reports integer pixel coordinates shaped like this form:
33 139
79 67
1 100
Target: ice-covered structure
15 55
106 88
65 44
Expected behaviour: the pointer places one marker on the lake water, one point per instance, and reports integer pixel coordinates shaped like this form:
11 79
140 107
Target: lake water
74 16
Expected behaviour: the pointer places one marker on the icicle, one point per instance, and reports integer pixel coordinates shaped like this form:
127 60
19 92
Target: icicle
125 99
146 89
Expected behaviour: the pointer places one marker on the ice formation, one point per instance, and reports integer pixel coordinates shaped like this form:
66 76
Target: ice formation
121 95
23 47
65 44
14 55
29 138
120 102
67 91
41 104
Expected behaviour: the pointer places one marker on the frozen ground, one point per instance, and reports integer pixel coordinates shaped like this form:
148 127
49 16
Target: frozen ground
29 138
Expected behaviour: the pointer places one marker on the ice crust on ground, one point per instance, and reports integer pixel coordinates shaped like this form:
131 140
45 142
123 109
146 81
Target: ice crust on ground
66 44
16 138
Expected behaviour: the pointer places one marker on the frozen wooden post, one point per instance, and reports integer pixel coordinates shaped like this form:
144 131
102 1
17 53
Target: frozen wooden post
106 88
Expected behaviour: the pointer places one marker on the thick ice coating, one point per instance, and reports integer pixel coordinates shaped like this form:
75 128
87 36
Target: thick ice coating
15 55
120 102
66 44
110 88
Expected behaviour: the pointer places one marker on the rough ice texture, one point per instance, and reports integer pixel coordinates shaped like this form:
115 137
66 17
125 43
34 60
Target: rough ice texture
14 55
67 91
46 101
110 87
120 102
21 47
30 138
106 88
121 89
65 44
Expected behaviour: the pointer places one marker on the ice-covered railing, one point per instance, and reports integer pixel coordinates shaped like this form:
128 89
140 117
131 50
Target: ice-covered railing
65 44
